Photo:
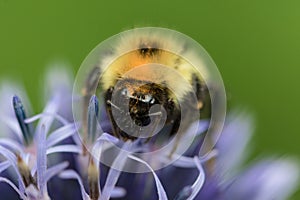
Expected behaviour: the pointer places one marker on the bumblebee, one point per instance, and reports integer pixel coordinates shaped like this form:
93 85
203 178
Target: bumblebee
143 72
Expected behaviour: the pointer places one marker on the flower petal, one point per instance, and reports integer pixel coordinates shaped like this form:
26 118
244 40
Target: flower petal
280 180
60 134
232 144
188 162
98 146
5 180
41 160
27 129
67 148
13 161
4 165
268 180
114 174
93 110
71 174
200 126
199 181
41 115
46 120
160 189
11 145
52 171
118 192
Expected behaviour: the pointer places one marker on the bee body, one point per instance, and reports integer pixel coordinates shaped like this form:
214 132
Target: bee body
146 73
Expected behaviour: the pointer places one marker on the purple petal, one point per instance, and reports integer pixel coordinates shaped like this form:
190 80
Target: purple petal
199 181
113 174
4 165
188 162
46 120
160 189
199 126
98 146
107 137
33 193
52 171
41 115
5 180
71 174
233 142
60 134
268 180
13 161
76 137
118 192
41 160
67 148
11 145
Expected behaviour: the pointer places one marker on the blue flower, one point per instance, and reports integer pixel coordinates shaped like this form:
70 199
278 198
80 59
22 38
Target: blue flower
32 155
25 149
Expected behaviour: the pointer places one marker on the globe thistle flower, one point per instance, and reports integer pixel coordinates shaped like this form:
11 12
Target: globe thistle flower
218 175
110 176
25 148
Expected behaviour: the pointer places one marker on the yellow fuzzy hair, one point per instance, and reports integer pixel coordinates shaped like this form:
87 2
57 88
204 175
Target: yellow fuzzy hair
173 53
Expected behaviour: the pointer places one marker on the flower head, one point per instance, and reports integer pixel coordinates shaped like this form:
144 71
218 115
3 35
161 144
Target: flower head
27 164
26 148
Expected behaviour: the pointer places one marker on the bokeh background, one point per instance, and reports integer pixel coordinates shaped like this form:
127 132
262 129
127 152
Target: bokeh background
255 44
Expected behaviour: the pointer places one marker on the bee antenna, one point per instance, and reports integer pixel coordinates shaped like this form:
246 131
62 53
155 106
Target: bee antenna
155 114
113 105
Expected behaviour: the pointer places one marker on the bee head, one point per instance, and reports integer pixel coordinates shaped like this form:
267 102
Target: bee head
140 97
139 108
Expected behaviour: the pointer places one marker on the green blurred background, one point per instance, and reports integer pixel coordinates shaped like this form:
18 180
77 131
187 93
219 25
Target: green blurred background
255 44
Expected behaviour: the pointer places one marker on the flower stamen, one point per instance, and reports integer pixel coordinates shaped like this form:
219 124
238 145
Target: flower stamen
93 111
21 116
25 172
93 180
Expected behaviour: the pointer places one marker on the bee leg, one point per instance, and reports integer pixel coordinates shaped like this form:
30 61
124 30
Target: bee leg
116 131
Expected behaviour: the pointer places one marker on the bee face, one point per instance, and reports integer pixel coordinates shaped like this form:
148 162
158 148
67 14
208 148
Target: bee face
139 101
